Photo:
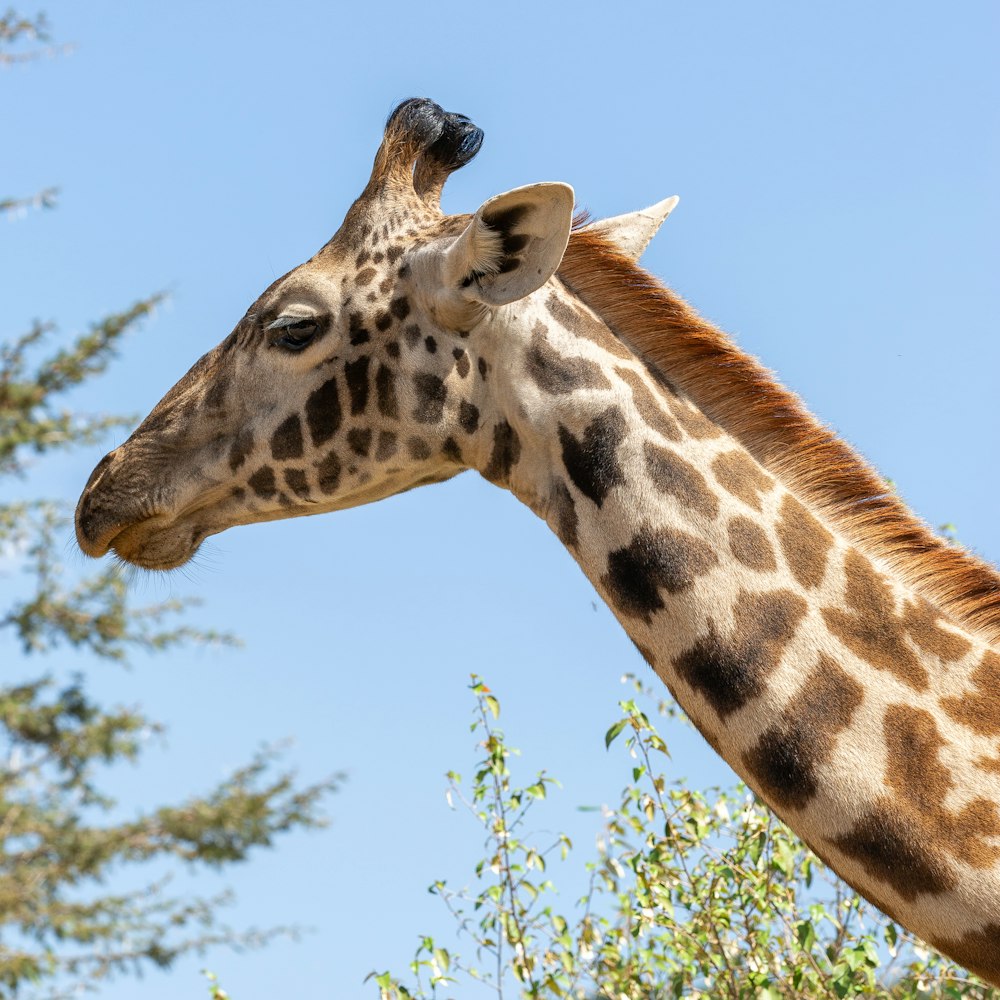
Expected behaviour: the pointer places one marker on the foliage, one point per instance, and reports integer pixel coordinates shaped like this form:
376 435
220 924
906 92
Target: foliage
215 990
61 836
691 895
22 39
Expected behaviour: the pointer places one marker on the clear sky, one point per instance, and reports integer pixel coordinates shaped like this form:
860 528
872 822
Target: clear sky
837 165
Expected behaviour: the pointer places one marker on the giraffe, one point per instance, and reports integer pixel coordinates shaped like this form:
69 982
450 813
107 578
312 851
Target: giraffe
842 659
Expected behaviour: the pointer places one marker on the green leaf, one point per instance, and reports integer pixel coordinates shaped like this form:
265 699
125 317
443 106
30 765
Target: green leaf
806 934
612 734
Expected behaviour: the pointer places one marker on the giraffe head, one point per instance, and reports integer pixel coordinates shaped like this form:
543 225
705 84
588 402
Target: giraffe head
354 376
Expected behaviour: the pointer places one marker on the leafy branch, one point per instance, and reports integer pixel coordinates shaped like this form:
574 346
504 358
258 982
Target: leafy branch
691 894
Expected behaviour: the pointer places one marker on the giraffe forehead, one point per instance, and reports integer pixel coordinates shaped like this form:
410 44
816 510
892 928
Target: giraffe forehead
362 262
312 285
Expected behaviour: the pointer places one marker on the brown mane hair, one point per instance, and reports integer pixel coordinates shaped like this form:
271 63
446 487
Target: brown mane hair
772 424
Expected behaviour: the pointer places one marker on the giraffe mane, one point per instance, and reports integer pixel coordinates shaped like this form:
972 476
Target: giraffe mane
771 422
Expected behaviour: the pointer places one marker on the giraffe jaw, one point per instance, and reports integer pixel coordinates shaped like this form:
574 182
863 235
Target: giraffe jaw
153 544
161 540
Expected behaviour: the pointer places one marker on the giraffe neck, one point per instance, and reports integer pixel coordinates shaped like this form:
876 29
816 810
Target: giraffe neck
859 710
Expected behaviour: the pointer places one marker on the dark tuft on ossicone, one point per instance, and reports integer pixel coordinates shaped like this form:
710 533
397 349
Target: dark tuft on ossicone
419 119
459 143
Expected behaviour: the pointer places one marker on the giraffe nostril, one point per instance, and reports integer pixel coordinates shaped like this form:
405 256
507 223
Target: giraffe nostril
92 514
99 469
87 521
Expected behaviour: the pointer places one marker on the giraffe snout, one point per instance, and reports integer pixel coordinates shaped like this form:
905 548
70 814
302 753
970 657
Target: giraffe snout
99 512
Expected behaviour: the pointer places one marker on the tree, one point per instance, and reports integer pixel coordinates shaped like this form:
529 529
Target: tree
692 894
60 927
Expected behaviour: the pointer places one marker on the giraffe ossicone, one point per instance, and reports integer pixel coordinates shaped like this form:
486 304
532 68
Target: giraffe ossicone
840 657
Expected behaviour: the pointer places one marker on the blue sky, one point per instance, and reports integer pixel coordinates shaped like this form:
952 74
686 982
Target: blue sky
837 167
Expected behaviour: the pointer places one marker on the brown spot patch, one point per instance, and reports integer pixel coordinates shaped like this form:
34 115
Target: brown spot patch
356 377
431 394
991 765
653 411
562 513
979 709
365 276
785 759
905 840
385 392
505 455
359 440
418 448
556 374
892 850
328 473
323 412
217 391
655 560
804 541
241 447
870 627
740 475
357 332
591 460
921 782
262 482
286 442
387 445
297 482
461 362
730 670
468 416
694 422
978 951
750 545
675 477
582 323
920 619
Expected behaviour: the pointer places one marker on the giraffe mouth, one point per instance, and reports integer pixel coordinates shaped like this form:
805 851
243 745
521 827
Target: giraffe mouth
166 540
159 544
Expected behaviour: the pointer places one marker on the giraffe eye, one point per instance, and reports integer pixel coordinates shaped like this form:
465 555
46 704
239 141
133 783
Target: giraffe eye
293 333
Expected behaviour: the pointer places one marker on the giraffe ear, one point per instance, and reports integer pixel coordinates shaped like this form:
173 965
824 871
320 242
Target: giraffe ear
513 244
632 232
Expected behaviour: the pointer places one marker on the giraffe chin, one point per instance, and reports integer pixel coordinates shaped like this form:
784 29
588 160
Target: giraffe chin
153 545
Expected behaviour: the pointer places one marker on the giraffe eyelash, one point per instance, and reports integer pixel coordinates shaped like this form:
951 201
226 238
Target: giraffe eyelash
295 333
290 320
